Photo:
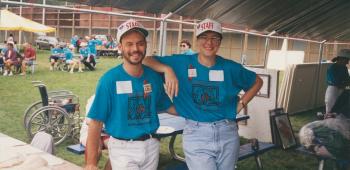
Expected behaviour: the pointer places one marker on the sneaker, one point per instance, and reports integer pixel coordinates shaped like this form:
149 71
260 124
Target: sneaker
5 73
51 68
22 74
10 73
71 72
80 71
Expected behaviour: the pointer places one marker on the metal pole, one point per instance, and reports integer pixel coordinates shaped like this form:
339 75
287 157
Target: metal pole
318 70
43 17
20 32
7 8
267 45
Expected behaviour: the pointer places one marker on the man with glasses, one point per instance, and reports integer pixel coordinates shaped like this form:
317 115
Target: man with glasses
208 98
185 47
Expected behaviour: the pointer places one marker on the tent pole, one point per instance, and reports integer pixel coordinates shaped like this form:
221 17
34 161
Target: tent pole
43 17
7 8
318 72
20 32
267 45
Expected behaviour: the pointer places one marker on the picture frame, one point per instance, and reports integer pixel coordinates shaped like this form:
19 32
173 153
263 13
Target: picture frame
265 89
285 131
275 138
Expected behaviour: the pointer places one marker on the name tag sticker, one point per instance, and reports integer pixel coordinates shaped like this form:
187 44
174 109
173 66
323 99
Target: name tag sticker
147 88
192 72
124 87
216 75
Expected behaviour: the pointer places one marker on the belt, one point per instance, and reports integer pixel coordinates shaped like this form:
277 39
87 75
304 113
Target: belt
141 138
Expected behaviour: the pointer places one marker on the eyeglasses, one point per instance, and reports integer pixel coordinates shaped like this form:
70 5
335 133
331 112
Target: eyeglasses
182 45
212 39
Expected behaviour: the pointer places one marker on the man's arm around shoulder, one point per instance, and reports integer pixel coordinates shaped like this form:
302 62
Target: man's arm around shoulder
171 82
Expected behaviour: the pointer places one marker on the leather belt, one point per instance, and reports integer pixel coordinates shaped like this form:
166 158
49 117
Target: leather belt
141 138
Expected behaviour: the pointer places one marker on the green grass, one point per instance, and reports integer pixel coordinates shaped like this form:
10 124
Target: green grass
17 93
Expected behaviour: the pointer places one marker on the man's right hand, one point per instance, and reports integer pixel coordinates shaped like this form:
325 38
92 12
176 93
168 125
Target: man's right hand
171 83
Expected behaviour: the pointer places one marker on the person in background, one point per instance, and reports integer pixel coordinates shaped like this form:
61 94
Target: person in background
128 98
337 78
57 54
208 88
68 52
92 43
77 44
10 38
110 43
185 47
74 40
29 57
11 59
85 56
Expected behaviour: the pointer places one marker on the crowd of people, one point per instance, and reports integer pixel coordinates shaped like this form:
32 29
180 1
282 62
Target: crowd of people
12 61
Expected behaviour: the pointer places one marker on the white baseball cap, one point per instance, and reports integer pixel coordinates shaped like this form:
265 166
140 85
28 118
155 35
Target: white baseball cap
208 25
128 25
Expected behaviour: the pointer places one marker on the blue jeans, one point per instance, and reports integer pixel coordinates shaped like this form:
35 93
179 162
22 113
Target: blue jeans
211 146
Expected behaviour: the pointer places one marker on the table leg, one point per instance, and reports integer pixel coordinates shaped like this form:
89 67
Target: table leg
172 151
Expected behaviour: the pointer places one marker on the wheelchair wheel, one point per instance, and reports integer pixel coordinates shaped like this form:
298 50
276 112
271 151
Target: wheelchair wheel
30 110
50 119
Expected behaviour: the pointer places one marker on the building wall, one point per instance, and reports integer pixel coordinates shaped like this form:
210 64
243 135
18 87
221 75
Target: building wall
69 23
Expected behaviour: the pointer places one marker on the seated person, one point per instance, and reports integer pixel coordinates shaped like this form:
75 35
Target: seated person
68 52
84 133
11 59
57 54
85 57
29 57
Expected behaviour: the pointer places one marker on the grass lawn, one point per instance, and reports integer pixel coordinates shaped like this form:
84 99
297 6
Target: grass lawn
17 93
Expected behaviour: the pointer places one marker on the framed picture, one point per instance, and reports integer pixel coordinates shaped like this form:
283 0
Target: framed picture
285 131
275 138
265 89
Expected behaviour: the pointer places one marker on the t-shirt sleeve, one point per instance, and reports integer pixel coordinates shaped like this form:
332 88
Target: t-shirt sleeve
163 101
101 105
168 60
244 78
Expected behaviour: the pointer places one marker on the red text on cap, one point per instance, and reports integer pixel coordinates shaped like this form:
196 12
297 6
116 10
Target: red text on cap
131 25
207 25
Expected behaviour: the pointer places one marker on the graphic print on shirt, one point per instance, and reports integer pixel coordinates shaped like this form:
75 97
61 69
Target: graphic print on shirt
206 95
139 109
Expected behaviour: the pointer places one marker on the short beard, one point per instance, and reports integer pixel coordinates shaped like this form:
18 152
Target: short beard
127 57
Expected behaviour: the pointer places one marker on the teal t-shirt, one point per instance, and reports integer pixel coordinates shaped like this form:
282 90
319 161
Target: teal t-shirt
56 51
92 46
127 105
208 94
68 53
338 75
84 51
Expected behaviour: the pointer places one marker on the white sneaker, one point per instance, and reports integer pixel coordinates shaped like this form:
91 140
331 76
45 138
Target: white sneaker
10 73
5 73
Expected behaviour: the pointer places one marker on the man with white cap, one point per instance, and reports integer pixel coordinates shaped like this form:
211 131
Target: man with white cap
208 98
127 100
337 78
